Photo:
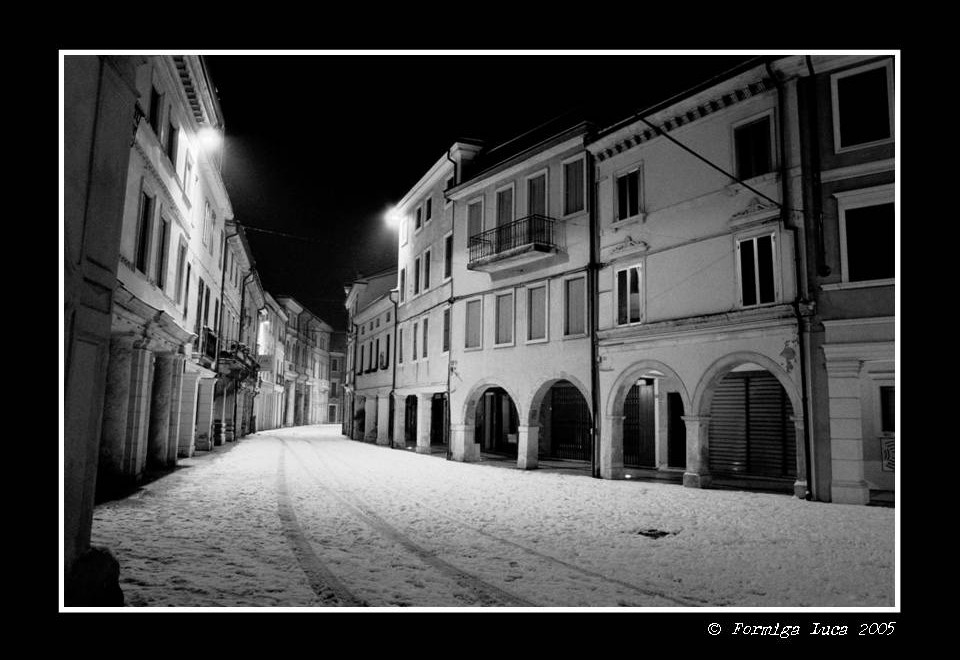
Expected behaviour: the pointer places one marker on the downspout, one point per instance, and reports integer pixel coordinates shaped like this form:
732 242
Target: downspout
800 273
236 389
393 376
353 376
223 277
816 208
592 292
453 242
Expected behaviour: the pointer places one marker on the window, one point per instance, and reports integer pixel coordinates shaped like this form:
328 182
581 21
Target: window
628 194
360 364
758 284
206 222
198 322
426 269
186 293
862 108
446 329
504 207
376 356
163 250
447 256
426 336
573 186
156 100
416 330
334 364
181 259
474 219
403 284
753 147
187 174
404 228
386 357
474 318
537 313
416 276
223 247
400 345
378 322
170 148
867 234
629 295
888 408
419 222
429 211
537 194
372 357
144 230
504 313
575 309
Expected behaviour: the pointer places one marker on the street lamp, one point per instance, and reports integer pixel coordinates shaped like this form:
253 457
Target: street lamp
392 216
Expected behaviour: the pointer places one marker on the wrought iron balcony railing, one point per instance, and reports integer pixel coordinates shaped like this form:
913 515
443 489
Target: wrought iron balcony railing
209 343
532 231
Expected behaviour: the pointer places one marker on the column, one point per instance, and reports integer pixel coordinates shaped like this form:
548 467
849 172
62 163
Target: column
848 485
424 419
399 419
158 435
204 441
229 413
176 394
115 408
800 487
188 414
697 474
291 401
528 443
462 445
611 447
125 426
383 420
219 411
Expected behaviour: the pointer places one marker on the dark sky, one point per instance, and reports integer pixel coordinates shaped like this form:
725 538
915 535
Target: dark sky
318 146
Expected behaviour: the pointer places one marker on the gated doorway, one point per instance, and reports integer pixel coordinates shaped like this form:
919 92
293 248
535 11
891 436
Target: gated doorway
410 421
496 422
676 432
639 425
565 423
751 434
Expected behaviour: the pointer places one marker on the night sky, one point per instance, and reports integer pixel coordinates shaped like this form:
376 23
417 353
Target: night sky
318 146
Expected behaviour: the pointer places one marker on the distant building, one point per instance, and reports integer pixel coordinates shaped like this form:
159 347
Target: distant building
338 348
272 332
306 363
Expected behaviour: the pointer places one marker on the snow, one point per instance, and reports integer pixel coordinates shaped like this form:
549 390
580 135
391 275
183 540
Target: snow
303 517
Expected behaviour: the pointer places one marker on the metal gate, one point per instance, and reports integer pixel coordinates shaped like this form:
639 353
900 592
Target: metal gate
638 426
570 423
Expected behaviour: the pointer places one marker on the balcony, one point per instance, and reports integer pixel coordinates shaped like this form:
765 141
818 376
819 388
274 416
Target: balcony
205 347
236 361
518 243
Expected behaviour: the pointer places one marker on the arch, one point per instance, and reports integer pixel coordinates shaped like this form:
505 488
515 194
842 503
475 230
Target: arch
469 409
621 386
532 414
703 398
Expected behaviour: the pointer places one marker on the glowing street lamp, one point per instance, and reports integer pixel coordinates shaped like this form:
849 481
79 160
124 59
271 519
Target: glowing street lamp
210 139
392 217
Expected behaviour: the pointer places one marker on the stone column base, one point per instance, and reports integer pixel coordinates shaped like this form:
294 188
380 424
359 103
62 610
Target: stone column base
423 449
693 480
800 489
850 492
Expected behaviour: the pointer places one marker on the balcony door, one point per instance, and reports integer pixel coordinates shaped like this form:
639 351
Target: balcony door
537 195
504 219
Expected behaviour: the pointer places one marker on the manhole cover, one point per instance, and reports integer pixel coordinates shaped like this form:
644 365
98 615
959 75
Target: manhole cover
654 533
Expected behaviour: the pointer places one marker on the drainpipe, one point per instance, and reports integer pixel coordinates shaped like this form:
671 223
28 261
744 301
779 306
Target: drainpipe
593 274
800 274
393 375
353 369
236 388
223 277
816 204
453 241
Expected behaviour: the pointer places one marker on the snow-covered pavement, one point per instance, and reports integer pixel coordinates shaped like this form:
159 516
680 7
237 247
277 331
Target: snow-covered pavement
305 517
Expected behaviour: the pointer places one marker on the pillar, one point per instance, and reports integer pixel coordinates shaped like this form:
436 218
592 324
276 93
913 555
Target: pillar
383 420
424 420
291 401
611 447
204 441
697 474
399 419
370 420
158 435
462 445
188 414
528 443
848 485
229 417
800 487
220 411
176 401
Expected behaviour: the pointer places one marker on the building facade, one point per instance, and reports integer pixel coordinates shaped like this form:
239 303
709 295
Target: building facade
335 405
272 331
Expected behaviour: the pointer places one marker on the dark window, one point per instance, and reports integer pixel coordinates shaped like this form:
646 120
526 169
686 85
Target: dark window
376 356
573 187
181 258
448 256
419 218
504 319
416 331
870 237
753 147
505 207
360 364
863 107
386 357
403 284
757 272
574 313
156 99
400 346
426 336
426 270
474 219
537 313
144 230
186 292
537 195
628 195
473 322
429 210
888 408
446 330
171 146
416 276
164 248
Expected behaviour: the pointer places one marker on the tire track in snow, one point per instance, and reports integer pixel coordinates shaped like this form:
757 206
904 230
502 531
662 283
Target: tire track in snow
488 594
323 582
685 601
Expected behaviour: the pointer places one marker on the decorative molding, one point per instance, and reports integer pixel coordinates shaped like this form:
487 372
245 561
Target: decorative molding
754 210
704 109
627 246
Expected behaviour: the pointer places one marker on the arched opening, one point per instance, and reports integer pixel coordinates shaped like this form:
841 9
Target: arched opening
565 423
752 435
410 421
496 421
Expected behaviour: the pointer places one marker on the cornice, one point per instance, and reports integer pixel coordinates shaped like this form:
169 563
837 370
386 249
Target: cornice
704 109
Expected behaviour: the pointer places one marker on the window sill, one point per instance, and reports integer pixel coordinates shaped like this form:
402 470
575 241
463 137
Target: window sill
840 286
865 145
473 349
544 340
582 335
510 345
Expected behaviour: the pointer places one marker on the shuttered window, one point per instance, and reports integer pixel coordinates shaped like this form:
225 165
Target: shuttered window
575 307
474 219
505 207
446 330
163 253
573 193
144 230
537 313
504 333
473 324
537 195
426 336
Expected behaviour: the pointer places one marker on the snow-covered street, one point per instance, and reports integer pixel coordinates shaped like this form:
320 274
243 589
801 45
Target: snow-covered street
305 517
